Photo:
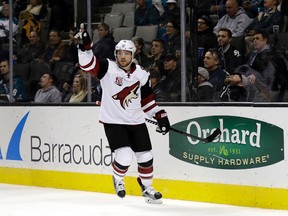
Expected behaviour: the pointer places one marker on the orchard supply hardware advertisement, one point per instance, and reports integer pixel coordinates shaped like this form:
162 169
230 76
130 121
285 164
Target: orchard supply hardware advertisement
244 143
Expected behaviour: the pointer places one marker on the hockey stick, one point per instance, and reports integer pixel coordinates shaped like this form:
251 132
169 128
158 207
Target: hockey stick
208 139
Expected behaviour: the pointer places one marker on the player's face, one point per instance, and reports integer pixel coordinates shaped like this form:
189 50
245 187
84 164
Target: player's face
223 38
124 57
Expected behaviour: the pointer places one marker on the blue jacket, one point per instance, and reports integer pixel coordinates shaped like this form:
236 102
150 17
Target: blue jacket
147 16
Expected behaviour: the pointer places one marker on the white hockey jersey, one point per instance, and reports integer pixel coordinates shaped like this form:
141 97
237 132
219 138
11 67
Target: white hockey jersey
124 95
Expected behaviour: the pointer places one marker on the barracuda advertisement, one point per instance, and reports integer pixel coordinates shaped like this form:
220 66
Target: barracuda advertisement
64 144
244 143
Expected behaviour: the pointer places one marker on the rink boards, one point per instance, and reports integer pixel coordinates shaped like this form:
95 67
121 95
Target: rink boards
65 147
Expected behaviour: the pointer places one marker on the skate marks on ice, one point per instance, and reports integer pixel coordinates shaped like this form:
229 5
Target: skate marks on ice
34 201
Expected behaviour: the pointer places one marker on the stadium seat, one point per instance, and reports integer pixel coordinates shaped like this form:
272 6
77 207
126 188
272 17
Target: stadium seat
22 70
114 20
123 7
148 33
128 19
38 69
123 33
64 73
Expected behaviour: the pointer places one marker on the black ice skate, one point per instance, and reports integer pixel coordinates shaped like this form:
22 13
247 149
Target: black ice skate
119 188
150 195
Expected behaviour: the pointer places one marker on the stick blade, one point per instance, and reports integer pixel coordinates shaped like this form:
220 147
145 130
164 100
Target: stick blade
214 135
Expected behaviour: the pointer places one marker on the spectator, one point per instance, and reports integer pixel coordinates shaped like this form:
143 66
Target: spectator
59 18
218 7
56 50
172 13
205 88
236 19
253 7
157 87
104 48
18 6
235 89
140 55
48 92
212 63
172 80
31 18
231 57
18 92
158 54
4 25
146 15
79 91
172 38
264 22
159 6
206 39
32 50
266 70
72 50
204 7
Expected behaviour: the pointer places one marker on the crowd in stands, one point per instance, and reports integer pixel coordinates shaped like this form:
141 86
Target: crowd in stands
254 70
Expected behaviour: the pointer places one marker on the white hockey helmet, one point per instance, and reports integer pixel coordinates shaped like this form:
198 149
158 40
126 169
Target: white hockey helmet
127 45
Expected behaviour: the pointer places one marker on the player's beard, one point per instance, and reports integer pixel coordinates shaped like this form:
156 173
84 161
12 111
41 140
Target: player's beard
125 65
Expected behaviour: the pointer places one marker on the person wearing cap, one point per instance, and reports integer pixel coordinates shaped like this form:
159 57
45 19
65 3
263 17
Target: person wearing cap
235 89
206 39
172 12
172 80
205 88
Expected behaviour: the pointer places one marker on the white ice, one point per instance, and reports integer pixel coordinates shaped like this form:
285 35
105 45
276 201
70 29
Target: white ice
18 200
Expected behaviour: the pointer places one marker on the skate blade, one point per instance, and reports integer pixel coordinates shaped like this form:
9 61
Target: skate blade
153 201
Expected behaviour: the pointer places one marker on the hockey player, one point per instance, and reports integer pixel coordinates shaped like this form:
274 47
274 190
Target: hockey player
126 97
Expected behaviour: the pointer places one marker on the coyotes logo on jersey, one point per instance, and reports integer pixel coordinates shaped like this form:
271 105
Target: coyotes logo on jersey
127 94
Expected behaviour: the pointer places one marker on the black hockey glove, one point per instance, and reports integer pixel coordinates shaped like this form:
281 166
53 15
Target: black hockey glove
163 121
85 43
